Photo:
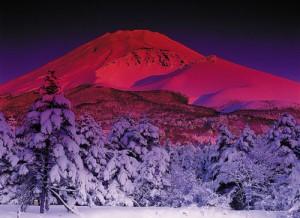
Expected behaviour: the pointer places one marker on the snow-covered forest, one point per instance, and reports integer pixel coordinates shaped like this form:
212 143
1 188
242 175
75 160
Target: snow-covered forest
57 158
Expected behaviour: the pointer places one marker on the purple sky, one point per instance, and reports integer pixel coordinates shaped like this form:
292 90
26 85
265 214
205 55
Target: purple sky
264 38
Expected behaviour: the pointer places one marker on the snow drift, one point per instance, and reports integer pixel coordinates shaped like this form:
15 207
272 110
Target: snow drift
130 212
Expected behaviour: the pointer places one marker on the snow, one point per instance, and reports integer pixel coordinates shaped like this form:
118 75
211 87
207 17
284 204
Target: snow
240 172
226 86
23 170
153 61
134 212
81 65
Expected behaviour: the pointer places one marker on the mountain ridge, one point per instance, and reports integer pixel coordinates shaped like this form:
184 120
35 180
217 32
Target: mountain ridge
140 60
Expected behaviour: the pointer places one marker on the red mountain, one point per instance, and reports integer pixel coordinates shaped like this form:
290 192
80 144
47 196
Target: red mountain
226 86
115 59
144 60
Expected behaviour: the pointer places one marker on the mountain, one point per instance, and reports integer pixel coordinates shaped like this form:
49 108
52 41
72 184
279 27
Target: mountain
226 86
168 110
143 60
115 59
178 120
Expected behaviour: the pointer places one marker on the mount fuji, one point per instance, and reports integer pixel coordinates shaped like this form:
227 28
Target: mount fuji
141 60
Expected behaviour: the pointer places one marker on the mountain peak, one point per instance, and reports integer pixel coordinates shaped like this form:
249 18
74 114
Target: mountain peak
128 40
133 33
158 54
146 60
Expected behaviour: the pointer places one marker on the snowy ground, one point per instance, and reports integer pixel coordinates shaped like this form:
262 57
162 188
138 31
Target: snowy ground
129 212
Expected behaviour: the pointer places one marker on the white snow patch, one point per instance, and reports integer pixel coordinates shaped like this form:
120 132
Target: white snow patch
8 211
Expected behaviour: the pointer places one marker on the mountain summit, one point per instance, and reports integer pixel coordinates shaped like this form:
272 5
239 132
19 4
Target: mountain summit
115 59
144 60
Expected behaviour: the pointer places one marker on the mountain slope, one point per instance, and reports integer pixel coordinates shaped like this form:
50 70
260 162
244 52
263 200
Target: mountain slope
226 86
135 54
178 121
145 60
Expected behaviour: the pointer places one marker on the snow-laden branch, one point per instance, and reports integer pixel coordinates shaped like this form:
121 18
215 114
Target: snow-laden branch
69 208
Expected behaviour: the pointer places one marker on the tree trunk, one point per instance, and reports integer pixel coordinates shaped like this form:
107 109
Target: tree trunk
42 201
47 205
44 198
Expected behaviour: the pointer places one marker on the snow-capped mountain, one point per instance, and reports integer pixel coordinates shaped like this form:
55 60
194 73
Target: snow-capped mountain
226 86
145 60
115 59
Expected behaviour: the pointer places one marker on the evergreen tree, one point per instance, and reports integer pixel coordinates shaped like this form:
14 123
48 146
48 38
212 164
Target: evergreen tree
130 142
8 161
247 140
243 170
122 133
153 178
282 152
185 186
226 161
149 133
138 138
94 156
207 158
121 169
225 139
50 86
52 167
224 148
119 176
285 133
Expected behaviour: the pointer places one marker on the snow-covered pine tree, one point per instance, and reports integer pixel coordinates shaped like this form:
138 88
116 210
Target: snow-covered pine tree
52 167
227 159
8 161
247 140
93 154
207 157
50 86
121 169
223 148
225 139
242 177
129 142
153 179
138 138
149 133
282 152
285 133
119 176
184 184
247 171
121 133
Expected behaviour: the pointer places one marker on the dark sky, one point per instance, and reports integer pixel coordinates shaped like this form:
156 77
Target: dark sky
264 37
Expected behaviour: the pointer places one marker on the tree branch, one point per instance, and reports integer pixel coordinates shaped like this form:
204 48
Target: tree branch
65 204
